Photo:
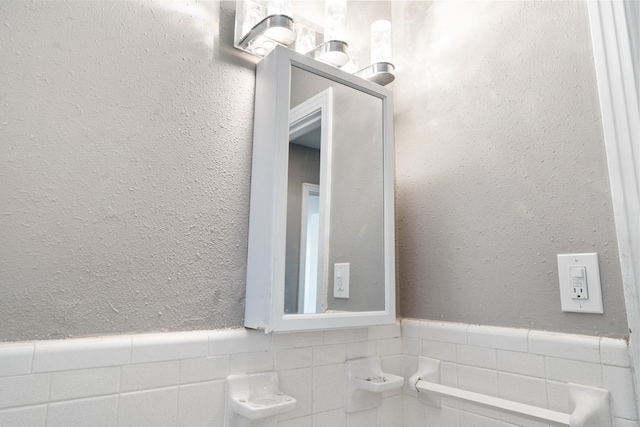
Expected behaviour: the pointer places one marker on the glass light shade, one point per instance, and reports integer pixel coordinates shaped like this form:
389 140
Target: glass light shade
306 38
333 52
248 14
261 25
380 73
335 20
337 59
351 66
381 42
280 7
282 35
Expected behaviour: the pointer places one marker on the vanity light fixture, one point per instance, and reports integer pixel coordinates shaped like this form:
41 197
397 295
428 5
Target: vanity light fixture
262 25
381 69
334 51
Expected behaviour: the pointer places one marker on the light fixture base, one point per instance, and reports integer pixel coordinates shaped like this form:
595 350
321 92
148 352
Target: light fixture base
266 34
333 52
380 73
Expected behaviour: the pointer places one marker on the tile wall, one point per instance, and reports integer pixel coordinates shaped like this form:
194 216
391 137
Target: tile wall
527 366
177 379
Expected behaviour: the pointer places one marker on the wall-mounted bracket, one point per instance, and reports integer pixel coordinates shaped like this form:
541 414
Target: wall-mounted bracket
592 406
254 400
428 370
365 382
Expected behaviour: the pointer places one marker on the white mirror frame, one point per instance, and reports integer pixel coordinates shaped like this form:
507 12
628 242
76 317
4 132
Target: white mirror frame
264 307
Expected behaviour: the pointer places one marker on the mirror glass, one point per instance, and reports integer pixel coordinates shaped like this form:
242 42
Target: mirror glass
335 242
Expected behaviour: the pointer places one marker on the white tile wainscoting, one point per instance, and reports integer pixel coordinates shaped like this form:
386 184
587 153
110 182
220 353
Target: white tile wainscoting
177 379
526 366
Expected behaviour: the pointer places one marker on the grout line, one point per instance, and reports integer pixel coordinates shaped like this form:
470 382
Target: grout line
117 404
600 350
130 351
46 413
33 357
49 387
120 368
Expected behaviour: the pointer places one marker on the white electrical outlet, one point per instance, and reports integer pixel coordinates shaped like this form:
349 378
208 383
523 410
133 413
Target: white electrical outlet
341 280
579 278
578 281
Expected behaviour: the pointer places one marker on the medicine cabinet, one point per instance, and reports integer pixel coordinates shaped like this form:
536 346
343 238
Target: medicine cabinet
321 233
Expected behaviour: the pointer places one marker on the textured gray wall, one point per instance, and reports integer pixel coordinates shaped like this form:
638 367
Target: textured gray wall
126 147
124 168
500 164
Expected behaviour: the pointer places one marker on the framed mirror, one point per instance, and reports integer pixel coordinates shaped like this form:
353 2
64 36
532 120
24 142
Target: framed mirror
321 232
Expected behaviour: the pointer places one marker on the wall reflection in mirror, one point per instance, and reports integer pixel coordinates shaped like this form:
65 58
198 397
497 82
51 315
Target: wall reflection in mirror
335 198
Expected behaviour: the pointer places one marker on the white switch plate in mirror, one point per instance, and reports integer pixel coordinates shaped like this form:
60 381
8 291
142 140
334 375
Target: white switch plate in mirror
341 280
580 293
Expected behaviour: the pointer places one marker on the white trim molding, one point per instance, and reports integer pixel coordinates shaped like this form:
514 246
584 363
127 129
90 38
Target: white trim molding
610 23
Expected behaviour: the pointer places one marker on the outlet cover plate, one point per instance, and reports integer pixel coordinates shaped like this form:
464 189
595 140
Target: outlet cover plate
594 303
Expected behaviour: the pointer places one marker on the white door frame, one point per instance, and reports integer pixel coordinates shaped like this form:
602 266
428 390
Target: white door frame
304 292
616 71
301 118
